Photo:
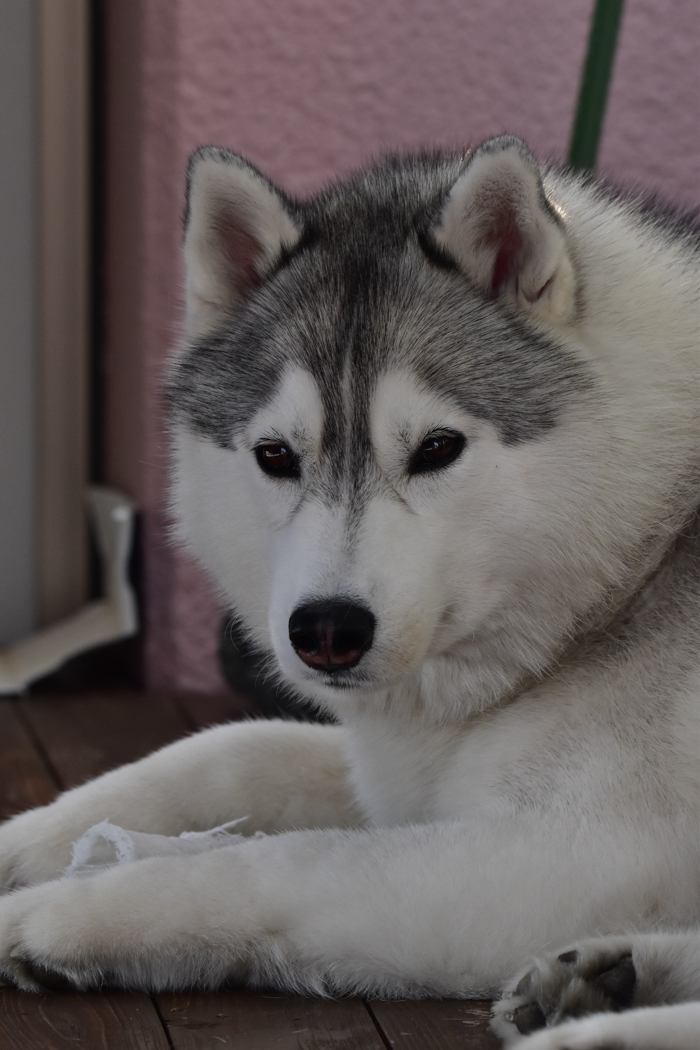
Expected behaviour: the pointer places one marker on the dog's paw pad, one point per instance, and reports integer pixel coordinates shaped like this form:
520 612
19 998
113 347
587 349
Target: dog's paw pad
528 1018
618 983
594 977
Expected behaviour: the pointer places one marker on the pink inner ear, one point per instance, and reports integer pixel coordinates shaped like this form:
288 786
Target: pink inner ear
242 252
503 234
507 260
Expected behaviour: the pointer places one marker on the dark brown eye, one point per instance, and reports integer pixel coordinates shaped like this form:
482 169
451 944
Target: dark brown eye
438 450
277 459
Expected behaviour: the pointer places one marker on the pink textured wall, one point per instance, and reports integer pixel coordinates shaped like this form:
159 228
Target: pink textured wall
308 89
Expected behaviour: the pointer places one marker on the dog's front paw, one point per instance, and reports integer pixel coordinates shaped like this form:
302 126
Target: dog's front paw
38 941
591 977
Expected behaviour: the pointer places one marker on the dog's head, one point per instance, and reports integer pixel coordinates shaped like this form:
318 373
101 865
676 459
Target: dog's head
390 450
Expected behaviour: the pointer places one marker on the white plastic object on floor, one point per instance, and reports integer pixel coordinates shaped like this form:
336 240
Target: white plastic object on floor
105 844
107 620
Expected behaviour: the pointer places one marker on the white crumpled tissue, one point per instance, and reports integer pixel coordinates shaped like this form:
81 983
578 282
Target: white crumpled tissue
104 845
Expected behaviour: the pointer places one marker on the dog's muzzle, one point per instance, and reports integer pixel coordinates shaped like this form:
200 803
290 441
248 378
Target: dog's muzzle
331 636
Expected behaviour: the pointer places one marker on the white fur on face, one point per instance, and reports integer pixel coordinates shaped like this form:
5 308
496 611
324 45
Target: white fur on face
441 559
476 573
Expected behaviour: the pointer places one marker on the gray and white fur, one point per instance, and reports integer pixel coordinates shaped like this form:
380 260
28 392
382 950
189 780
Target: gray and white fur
436 441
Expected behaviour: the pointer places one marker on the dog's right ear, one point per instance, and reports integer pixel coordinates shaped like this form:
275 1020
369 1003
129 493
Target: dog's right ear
236 228
499 226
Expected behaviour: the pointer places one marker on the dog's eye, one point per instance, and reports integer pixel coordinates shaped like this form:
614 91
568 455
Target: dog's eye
438 450
278 460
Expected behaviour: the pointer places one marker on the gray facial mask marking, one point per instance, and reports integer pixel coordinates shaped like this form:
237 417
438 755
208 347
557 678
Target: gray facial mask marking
360 295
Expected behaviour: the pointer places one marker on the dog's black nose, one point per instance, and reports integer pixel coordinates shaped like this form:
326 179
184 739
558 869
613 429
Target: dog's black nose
331 636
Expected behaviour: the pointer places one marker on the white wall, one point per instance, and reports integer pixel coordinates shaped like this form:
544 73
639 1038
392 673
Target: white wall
18 311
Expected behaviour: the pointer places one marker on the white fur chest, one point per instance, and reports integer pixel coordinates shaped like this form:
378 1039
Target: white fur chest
415 772
558 750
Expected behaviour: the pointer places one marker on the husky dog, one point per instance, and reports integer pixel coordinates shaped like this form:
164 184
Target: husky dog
436 440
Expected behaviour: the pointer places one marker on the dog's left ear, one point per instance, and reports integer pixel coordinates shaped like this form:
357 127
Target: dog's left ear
500 228
237 227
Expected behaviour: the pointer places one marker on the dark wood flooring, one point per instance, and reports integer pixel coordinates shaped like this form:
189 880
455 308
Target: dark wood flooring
52 742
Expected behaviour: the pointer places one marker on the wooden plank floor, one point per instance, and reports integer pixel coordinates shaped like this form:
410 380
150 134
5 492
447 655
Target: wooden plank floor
52 742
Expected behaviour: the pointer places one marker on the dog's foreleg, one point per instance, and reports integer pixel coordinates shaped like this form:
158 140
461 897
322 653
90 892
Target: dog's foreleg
278 774
441 909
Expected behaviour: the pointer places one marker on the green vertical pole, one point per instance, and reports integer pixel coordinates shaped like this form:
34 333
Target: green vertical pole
595 81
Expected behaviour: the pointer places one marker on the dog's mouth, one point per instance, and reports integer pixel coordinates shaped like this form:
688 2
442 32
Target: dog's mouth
349 681
356 677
